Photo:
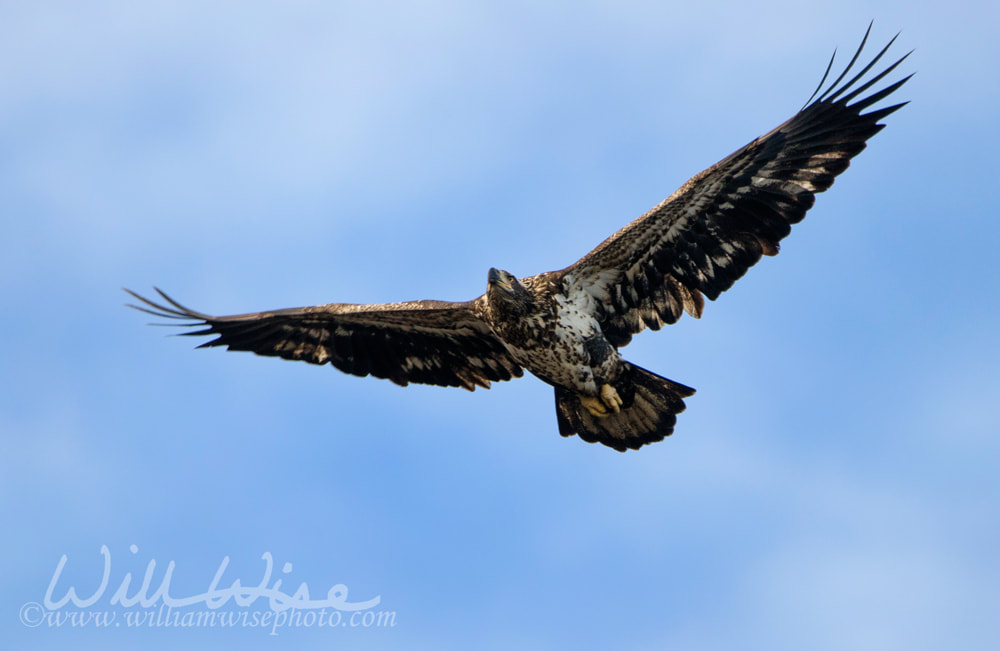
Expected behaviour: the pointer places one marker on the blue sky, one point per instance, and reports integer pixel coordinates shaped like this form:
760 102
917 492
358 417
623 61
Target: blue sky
833 484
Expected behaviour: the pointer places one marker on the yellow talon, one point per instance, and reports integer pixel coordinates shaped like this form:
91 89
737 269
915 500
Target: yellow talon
611 398
609 402
594 406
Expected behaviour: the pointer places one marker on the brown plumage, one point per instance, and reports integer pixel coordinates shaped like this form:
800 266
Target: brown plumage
566 326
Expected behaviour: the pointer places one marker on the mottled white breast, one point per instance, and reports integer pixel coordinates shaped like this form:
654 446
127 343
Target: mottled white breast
565 361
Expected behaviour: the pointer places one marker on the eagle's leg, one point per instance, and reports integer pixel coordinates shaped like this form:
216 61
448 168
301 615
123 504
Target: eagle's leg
610 397
603 362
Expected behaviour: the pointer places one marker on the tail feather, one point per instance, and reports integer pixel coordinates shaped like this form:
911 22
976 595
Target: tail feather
648 414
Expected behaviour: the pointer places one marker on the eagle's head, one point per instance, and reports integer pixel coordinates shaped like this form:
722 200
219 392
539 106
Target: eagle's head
506 295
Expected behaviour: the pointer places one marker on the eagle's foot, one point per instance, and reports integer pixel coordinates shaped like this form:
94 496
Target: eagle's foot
594 406
609 402
611 398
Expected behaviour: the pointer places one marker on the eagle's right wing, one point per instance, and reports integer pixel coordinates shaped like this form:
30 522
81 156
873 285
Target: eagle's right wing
707 234
427 342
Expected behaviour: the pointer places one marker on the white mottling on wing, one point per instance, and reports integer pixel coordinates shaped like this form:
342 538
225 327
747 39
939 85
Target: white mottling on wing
720 261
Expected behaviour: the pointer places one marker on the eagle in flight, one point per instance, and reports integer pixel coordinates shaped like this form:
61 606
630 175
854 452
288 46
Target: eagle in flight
567 326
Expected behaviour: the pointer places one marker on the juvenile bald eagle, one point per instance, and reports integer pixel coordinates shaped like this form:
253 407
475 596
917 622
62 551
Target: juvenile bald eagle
566 326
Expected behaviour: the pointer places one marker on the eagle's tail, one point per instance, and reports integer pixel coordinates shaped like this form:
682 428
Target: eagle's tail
650 405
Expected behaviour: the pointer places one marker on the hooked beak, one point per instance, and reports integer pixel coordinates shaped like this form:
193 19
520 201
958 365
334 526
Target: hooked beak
496 277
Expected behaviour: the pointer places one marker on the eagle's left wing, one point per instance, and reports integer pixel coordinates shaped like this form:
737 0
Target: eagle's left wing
427 342
708 233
